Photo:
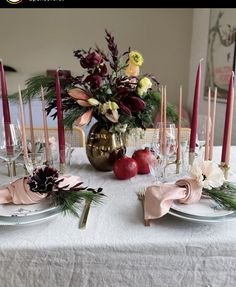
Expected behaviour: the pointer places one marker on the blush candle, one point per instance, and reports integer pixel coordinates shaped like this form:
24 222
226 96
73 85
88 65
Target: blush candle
208 125
213 126
23 131
45 128
32 139
60 124
179 126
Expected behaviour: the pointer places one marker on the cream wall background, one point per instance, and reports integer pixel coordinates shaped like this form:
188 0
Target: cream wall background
33 40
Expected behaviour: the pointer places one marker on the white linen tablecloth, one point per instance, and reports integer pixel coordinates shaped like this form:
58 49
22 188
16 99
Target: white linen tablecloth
116 249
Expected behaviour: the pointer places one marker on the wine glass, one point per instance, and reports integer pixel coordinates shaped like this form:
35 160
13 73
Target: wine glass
10 144
201 133
164 147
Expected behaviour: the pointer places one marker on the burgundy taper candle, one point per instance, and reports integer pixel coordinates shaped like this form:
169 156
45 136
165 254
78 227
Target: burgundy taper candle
60 124
6 110
228 123
195 110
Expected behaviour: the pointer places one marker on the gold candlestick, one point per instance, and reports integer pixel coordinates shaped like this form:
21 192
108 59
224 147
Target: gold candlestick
191 157
178 163
225 168
62 168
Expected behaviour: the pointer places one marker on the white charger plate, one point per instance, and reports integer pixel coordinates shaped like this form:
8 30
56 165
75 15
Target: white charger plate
24 210
204 208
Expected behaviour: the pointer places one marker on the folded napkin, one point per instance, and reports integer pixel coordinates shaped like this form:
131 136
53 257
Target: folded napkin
159 198
18 192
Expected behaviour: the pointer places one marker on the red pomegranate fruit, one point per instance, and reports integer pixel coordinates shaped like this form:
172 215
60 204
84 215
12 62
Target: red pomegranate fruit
143 158
125 167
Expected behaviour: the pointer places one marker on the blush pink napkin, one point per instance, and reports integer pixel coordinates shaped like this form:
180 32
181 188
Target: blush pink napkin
159 198
18 192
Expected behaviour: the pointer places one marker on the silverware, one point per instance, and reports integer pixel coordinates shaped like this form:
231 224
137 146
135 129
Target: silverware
84 215
141 197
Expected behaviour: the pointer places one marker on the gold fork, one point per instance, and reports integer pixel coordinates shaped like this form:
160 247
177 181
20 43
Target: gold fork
84 215
141 197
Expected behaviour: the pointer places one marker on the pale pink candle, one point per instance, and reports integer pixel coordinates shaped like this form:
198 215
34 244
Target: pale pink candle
213 126
179 125
31 129
161 114
208 125
228 123
45 128
23 131
164 122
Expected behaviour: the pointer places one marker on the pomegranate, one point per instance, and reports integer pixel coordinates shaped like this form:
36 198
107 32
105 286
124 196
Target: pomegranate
125 167
143 158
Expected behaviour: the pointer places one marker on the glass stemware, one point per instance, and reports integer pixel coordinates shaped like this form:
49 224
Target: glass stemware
10 145
164 146
201 133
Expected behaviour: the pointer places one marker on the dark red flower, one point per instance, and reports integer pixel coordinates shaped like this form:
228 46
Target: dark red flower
131 104
95 81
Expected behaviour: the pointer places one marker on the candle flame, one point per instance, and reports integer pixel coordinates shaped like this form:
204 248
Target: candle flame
202 59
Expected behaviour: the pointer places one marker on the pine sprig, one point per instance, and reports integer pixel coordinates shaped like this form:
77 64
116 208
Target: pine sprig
69 202
33 87
225 195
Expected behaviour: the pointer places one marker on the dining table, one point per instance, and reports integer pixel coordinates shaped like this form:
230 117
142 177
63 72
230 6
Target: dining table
116 249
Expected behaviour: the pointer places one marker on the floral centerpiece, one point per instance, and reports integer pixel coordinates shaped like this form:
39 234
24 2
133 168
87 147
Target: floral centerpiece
111 90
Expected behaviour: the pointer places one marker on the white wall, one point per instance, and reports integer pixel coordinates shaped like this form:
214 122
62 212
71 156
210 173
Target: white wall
199 43
33 40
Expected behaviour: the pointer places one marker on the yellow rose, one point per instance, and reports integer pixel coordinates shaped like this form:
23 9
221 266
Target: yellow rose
143 85
136 58
132 70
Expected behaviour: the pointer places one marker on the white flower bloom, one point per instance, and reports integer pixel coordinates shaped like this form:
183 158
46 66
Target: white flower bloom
207 173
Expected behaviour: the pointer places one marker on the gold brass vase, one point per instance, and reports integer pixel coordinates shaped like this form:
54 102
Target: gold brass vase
104 148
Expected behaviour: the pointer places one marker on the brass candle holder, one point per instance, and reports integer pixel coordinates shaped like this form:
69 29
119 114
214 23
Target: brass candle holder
13 169
62 168
191 157
225 168
177 163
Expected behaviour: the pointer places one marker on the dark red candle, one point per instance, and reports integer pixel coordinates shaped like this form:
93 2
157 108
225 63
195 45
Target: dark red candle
60 124
228 123
6 110
195 110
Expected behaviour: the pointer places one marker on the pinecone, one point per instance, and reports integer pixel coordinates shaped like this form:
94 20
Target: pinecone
43 179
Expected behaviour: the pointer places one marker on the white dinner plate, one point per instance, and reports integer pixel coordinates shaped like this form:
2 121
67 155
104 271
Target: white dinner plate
37 218
206 219
23 210
204 208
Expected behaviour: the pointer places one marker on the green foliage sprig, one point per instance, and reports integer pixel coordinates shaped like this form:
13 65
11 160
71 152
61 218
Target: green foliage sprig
225 195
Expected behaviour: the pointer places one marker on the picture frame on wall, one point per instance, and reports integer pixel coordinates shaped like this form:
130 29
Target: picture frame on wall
221 51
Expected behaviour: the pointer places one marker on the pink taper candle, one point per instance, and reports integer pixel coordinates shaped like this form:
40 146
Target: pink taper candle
60 124
179 126
195 110
213 126
208 123
164 122
6 110
45 128
161 113
23 131
31 129
228 123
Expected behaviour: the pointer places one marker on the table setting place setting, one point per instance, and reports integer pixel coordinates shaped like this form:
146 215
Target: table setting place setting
182 179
